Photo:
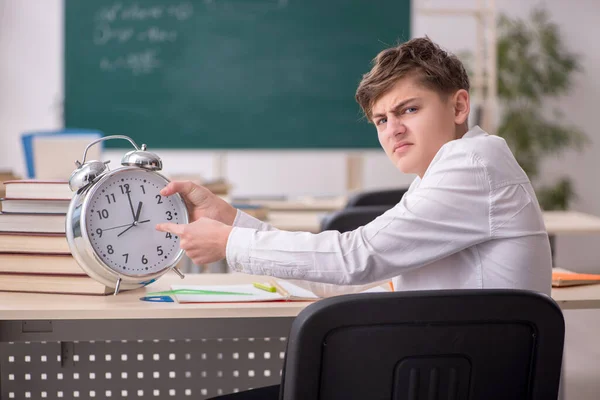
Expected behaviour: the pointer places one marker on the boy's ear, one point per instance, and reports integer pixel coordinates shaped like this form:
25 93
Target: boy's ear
462 106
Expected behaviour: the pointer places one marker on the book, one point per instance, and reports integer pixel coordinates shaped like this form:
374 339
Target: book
218 186
567 278
248 292
39 223
64 284
38 189
5 175
35 206
34 263
52 154
19 242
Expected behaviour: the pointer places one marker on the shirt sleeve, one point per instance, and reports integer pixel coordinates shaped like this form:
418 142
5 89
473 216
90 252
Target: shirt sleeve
244 220
448 212
320 289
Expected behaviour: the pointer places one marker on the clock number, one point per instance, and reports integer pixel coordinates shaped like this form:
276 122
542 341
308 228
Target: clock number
99 232
109 196
125 188
110 250
169 215
159 250
144 260
143 190
159 199
103 214
126 255
169 235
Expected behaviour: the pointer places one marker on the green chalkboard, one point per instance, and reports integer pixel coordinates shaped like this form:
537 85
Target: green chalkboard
226 74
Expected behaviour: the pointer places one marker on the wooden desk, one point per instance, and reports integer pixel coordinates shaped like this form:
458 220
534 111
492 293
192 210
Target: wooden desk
81 344
305 221
322 204
557 222
126 305
36 306
571 222
67 344
577 297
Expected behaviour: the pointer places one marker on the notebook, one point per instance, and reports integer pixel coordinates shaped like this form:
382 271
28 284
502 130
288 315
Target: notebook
286 291
566 278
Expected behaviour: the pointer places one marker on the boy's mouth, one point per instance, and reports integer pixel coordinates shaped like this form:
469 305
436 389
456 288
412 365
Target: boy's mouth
401 147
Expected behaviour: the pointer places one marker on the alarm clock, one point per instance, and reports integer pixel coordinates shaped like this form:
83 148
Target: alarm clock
110 224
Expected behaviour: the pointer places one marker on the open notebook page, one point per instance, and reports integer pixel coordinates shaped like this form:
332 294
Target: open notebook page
249 293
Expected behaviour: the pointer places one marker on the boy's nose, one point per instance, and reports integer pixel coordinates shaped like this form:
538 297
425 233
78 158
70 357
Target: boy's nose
395 127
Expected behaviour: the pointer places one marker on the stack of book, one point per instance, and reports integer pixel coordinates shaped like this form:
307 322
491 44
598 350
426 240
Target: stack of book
5 175
34 253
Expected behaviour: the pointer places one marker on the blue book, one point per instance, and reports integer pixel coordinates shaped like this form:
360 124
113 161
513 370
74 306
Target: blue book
28 138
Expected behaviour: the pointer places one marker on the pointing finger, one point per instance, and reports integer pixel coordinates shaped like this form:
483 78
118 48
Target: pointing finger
177 229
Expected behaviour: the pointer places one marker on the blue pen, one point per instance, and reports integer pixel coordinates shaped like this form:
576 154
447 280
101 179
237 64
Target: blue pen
157 299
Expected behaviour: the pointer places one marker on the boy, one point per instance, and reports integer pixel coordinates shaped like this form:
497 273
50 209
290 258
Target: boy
469 220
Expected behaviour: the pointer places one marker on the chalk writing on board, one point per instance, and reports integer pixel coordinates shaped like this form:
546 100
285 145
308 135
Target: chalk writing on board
155 34
126 24
137 63
135 12
104 34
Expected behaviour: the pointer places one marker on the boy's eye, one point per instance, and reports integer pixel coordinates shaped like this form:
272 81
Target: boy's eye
410 110
381 121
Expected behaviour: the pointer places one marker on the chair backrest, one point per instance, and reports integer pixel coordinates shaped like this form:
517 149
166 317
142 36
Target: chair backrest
444 344
348 219
388 198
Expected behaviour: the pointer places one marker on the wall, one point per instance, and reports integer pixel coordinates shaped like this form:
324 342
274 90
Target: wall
577 25
31 91
30 99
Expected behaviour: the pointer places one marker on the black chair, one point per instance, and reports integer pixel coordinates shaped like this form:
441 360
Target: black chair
348 219
445 344
388 198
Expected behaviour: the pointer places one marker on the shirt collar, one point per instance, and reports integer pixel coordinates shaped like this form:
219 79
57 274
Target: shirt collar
475 131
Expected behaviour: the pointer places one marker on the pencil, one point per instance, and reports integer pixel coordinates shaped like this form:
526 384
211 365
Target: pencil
281 290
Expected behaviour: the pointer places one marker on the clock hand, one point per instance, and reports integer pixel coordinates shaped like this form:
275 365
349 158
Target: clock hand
121 226
131 226
131 206
114 227
137 214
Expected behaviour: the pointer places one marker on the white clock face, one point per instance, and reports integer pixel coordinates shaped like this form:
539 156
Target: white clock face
121 216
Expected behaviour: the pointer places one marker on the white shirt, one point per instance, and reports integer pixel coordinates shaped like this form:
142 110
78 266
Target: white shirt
473 221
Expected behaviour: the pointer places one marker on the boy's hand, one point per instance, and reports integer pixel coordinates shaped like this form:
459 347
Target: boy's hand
204 240
201 202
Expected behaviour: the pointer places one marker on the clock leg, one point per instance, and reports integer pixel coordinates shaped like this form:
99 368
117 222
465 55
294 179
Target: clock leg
117 287
178 272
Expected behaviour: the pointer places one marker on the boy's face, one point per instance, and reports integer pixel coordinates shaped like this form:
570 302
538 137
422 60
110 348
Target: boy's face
413 122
